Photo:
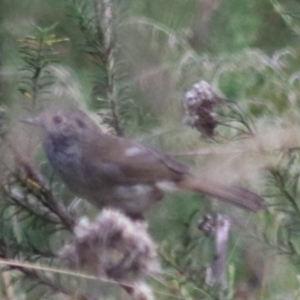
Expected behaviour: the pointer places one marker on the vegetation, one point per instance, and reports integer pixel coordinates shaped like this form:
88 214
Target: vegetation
136 65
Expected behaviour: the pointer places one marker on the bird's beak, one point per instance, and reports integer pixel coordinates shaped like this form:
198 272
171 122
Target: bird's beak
31 120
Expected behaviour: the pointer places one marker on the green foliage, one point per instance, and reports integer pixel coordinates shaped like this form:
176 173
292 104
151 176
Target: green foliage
38 54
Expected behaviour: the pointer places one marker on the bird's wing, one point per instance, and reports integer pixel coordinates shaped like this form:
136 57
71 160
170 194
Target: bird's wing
121 161
126 161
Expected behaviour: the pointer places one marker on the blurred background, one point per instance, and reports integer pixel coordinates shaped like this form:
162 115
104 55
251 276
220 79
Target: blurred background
132 64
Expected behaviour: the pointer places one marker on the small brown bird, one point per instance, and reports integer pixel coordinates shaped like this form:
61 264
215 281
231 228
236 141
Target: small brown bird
111 171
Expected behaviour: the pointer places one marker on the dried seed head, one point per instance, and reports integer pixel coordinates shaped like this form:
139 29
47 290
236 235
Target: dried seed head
113 245
199 103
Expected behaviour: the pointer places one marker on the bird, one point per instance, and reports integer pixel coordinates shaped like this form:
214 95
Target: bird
117 172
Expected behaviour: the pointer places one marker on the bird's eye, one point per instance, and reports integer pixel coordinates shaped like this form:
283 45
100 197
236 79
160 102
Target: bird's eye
57 119
80 123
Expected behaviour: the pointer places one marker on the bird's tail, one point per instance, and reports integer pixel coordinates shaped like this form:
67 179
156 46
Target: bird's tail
238 196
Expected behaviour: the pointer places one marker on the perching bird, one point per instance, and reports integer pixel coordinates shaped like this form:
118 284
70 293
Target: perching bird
111 171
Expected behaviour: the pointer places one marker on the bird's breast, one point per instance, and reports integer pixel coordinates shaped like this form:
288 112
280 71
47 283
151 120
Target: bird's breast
65 160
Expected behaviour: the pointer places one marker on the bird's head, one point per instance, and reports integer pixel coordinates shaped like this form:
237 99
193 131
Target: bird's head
63 124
